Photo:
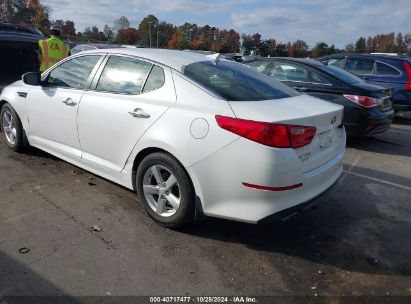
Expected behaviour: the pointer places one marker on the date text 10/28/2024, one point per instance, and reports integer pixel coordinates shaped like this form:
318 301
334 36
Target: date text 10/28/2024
203 300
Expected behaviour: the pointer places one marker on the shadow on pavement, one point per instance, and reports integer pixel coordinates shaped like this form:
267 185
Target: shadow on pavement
19 284
383 144
361 227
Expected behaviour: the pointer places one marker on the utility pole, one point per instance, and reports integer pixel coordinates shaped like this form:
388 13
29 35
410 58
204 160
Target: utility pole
157 34
149 30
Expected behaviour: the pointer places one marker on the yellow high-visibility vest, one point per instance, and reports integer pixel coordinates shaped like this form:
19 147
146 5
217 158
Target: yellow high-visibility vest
52 51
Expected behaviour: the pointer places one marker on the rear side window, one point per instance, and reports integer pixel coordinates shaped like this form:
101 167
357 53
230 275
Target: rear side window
260 66
73 73
236 82
155 80
318 79
342 75
359 66
386 70
123 75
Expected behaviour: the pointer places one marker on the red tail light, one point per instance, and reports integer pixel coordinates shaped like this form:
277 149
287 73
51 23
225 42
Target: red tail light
408 69
269 134
364 101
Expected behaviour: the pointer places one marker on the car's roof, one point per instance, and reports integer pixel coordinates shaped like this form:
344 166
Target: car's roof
98 45
14 32
301 60
174 59
367 56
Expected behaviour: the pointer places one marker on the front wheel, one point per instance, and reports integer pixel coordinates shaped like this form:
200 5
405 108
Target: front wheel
12 128
166 190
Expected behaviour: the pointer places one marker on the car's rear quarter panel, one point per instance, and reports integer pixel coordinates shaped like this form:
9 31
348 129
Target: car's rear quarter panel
173 131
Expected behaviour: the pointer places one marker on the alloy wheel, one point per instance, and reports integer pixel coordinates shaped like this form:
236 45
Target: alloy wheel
9 127
161 190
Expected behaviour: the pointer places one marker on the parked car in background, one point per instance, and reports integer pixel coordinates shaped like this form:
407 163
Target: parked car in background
92 46
189 132
136 46
367 107
18 52
233 56
386 70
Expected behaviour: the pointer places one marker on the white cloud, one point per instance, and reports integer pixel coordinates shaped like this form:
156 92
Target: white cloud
332 21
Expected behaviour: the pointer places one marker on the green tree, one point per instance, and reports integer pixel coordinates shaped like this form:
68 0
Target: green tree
247 45
360 45
147 30
320 49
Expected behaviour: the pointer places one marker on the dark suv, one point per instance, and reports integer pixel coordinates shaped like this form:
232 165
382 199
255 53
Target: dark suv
389 71
18 52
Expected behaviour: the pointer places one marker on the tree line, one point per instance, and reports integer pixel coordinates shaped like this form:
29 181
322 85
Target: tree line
151 32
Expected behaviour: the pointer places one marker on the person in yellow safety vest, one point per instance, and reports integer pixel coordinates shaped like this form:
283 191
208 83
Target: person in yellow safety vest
52 50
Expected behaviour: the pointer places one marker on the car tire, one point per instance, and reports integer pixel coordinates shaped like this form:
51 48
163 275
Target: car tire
12 129
166 191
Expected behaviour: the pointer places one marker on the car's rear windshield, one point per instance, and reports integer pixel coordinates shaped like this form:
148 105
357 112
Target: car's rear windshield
236 82
341 74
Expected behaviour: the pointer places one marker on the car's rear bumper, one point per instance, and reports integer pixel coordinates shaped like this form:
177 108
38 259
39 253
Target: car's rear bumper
221 176
370 122
402 101
402 107
290 213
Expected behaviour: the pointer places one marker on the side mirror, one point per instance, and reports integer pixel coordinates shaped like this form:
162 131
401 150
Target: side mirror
32 78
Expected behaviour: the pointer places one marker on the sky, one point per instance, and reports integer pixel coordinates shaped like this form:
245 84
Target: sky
333 21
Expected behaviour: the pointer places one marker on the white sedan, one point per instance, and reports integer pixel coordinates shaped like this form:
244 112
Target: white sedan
192 134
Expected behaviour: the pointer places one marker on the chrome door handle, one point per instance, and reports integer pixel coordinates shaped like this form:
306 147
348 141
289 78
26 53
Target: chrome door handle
139 113
69 102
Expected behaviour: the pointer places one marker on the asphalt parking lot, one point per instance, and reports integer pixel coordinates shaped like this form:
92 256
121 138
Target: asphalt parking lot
357 242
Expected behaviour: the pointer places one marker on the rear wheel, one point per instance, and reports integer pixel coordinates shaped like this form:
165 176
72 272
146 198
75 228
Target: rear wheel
166 190
12 129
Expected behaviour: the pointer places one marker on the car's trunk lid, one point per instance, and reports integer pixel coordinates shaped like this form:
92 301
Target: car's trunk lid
303 111
384 95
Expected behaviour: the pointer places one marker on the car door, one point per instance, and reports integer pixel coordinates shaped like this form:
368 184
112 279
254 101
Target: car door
292 74
127 96
52 107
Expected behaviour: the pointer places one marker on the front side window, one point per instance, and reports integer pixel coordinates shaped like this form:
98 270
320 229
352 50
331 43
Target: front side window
123 75
236 82
359 66
73 73
337 62
290 72
258 65
386 70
